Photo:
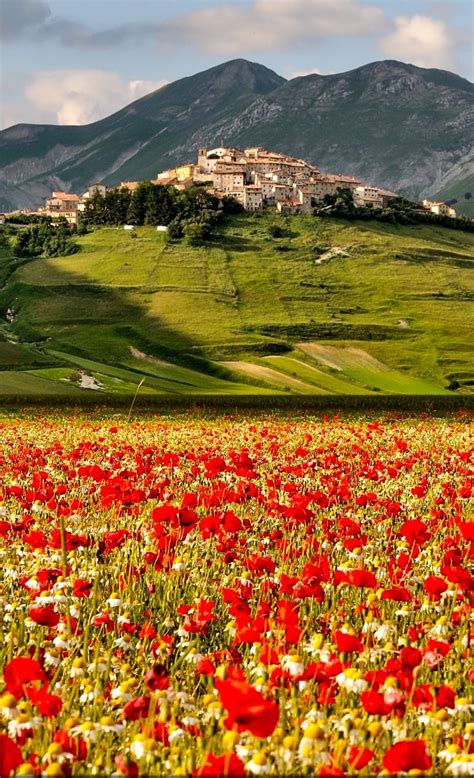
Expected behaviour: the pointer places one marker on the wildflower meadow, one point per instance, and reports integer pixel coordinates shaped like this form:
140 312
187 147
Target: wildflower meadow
194 594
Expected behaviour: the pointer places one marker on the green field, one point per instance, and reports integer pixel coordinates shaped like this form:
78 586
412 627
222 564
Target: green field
247 313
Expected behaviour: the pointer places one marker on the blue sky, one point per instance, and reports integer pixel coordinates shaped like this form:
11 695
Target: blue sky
69 62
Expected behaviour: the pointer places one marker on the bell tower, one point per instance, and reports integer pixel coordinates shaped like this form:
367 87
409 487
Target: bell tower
202 158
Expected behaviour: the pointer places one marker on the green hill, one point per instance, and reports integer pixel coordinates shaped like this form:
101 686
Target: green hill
460 195
332 307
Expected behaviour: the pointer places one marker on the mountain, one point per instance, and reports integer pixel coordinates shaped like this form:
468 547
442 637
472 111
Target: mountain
389 123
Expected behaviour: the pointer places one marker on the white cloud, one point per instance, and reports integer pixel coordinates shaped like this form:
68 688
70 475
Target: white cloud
83 96
420 40
271 24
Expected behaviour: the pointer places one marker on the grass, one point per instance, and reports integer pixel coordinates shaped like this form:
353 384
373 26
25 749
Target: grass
457 191
178 315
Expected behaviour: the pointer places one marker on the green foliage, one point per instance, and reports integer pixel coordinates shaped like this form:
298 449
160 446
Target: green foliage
28 218
276 231
157 204
51 240
196 232
399 211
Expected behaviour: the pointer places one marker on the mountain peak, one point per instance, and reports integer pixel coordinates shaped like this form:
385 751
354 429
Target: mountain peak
248 75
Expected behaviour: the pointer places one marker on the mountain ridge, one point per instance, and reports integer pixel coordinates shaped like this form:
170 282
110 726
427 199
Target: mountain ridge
342 122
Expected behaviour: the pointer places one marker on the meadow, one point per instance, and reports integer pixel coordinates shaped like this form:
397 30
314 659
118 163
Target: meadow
329 307
235 594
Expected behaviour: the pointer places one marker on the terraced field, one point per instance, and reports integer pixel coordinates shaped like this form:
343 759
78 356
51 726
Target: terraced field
389 310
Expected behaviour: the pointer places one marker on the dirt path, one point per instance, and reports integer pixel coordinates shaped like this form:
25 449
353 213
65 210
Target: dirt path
339 357
147 358
270 375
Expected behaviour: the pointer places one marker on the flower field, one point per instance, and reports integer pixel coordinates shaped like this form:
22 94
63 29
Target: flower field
242 595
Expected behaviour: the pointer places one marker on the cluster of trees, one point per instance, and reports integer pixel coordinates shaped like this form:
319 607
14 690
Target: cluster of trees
399 211
192 213
47 238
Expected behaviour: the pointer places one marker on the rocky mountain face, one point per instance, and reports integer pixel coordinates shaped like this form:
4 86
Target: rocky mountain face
388 123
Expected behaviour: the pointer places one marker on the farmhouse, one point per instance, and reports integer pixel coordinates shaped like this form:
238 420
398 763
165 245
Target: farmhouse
440 209
372 196
62 204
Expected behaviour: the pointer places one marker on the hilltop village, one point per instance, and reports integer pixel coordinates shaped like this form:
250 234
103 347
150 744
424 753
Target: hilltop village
255 177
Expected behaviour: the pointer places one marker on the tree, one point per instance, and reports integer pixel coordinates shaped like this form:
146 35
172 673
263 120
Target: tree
138 204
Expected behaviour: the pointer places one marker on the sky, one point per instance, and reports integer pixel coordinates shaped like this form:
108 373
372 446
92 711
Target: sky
76 61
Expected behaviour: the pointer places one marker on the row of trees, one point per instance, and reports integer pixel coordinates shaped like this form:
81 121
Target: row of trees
51 240
148 204
192 213
398 211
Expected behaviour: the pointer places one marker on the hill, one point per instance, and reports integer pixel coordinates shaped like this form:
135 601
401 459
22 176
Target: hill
305 313
461 195
389 123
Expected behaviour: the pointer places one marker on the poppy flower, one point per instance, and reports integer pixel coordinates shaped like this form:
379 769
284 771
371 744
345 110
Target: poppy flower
81 587
410 657
359 758
247 709
360 578
49 705
407 755
435 586
157 677
396 593
445 697
136 708
227 764
44 615
374 703
347 643
21 671
10 756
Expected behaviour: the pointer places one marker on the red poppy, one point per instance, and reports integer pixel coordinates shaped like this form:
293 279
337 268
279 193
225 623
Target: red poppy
407 755
396 593
435 586
44 615
362 578
81 587
10 756
445 697
410 657
21 671
126 766
205 666
415 531
374 703
346 643
49 705
227 764
136 709
359 758
157 677
248 710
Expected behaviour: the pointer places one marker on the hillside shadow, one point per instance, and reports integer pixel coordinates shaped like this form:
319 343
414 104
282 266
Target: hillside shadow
95 321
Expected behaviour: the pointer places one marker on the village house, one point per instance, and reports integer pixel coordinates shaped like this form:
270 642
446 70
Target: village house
440 209
372 197
62 204
228 177
253 198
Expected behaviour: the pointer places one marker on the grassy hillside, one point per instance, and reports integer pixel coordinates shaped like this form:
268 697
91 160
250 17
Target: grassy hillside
332 307
463 192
